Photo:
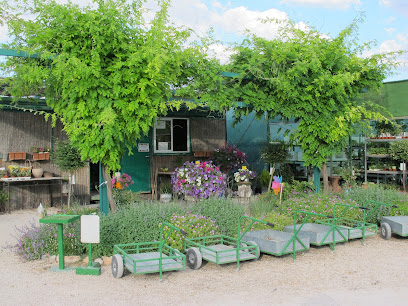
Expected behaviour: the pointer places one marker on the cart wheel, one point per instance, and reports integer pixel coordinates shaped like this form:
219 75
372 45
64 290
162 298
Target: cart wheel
194 258
258 252
385 232
117 266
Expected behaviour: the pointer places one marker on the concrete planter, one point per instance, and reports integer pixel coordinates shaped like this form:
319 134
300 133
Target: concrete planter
274 242
317 233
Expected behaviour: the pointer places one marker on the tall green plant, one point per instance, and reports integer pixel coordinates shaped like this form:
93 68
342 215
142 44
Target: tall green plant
67 158
399 151
275 152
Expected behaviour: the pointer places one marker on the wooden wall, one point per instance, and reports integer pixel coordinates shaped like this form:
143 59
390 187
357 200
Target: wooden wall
19 131
206 136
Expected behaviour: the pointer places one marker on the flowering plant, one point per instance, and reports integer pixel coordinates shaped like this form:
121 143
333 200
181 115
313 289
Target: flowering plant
244 175
122 181
228 158
199 180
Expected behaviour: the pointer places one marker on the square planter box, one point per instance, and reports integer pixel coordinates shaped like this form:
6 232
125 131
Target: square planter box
41 156
318 232
274 242
17 155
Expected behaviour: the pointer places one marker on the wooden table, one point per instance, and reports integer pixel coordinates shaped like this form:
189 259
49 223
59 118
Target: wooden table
49 181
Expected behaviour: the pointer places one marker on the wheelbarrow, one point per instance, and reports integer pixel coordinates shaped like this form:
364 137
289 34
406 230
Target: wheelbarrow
148 257
355 228
319 234
222 249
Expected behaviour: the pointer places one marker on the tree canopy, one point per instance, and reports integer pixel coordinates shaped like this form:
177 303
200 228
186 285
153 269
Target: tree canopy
107 72
311 78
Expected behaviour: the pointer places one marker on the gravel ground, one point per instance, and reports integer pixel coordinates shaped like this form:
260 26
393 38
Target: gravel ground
374 274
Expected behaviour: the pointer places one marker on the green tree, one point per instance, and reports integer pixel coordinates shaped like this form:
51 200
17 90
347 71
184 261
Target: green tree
67 158
314 79
107 73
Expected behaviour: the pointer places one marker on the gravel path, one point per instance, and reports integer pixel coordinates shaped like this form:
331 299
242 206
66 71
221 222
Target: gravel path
374 274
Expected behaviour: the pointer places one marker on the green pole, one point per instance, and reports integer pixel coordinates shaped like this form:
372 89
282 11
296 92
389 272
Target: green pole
316 179
90 255
103 193
351 159
60 246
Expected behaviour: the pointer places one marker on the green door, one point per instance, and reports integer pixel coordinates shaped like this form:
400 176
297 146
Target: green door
137 166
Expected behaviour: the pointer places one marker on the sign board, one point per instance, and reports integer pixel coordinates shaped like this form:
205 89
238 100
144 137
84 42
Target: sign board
89 229
143 147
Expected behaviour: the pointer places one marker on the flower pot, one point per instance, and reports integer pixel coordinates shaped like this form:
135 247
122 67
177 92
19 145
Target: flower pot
41 156
38 172
17 155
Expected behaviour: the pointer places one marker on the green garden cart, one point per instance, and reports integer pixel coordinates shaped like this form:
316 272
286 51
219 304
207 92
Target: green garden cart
148 257
222 249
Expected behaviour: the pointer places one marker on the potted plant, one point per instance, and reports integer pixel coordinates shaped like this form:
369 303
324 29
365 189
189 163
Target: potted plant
275 152
121 181
399 151
40 153
264 179
67 158
198 180
243 177
166 189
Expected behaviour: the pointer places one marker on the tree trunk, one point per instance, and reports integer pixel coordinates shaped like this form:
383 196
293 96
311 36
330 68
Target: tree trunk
271 179
108 180
69 190
325 178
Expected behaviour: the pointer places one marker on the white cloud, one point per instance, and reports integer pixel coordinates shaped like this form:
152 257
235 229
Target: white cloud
334 4
237 20
390 19
221 52
384 2
400 6
390 30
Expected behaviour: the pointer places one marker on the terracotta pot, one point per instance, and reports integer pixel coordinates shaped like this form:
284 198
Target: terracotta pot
37 173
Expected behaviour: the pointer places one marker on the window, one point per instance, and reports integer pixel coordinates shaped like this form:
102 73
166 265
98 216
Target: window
171 135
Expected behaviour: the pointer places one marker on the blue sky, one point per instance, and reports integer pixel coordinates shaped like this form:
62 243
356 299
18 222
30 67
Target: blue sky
386 21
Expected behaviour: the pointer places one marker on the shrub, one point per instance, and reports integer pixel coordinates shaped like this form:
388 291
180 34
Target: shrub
124 198
382 194
225 213
279 220
316 203
264 204
194 225
199 180
132 224
35 241
264 178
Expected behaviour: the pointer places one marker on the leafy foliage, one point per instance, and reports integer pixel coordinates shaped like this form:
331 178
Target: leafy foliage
275 152
304 75
133 223
224 211
399 150
67 157
193 225
108 73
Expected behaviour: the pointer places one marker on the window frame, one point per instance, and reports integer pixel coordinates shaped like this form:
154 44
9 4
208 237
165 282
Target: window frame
171 151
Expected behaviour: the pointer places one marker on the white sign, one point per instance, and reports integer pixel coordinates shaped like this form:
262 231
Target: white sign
143 147
89 229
